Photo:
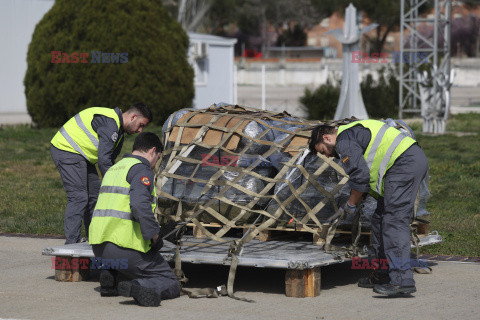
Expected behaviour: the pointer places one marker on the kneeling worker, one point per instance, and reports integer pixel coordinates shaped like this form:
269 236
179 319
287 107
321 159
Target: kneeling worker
392 165
124 228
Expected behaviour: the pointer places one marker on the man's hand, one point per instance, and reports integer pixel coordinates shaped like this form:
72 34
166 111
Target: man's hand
336 216
156 243
175 236
346 209
349 209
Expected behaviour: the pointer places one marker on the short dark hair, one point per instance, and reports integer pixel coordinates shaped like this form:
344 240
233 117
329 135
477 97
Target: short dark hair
317 135
143 109
146 141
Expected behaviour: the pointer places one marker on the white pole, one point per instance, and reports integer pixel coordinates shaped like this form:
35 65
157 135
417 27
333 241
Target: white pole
235 84
263 87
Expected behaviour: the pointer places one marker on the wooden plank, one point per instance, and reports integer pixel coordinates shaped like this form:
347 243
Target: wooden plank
270 234
318 240
198 233
303 283
265 235
294 283
68 269
216 225
422 228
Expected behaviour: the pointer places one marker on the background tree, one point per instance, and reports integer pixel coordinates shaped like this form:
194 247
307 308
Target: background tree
253 18
380 96
292 38
205 16
285 16
384 12
157 71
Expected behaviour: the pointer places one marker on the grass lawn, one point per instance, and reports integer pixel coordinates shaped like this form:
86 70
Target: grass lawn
454 162
33 201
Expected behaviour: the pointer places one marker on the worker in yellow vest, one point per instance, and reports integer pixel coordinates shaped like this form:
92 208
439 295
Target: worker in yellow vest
124 233
93 136
390 165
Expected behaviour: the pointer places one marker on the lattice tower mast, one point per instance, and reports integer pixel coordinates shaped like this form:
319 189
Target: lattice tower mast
411 49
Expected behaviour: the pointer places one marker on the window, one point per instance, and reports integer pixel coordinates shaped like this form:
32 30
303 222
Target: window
200 66
199 61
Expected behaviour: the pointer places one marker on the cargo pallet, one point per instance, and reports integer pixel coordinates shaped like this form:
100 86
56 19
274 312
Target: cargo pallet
302 260
276 233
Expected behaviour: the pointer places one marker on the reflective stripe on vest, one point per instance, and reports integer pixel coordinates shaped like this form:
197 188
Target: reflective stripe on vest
385 146
93 139
78 136
112 219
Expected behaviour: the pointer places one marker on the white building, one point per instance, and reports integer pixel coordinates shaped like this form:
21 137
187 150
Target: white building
212 59
18 19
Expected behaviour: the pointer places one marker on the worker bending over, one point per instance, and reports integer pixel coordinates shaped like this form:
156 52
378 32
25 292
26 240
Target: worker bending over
380 159
93 136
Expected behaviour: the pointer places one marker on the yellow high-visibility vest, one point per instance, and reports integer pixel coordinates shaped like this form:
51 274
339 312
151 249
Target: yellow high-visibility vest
112 218
386 145
78 136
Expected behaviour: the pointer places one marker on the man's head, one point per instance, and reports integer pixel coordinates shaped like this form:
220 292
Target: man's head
136 118
323 140
149 146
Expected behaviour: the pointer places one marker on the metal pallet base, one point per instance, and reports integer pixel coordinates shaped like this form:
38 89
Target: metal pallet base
299 255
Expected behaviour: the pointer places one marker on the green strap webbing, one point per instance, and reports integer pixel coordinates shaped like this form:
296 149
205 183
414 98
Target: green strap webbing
194 293
235 248
345 252
416 240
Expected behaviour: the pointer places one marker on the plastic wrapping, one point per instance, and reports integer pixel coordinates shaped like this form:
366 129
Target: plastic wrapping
190 193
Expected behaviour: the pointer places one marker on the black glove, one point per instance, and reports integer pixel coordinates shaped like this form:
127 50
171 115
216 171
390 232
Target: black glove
346 209
157 245
175 236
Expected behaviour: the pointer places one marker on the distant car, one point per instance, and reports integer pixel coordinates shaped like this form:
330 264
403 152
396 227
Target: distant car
250 53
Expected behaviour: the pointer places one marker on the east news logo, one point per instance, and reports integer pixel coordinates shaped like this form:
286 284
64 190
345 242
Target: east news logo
82 57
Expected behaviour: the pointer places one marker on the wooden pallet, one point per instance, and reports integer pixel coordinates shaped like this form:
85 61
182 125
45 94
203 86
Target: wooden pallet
71 269
275 233
303 283
280 232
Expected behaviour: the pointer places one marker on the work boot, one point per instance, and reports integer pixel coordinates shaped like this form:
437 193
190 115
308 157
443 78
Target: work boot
392 290
142 295
108 283
373 279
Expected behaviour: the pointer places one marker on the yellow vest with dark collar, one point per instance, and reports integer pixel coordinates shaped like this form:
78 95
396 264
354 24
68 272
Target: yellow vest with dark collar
112 218
78 136
386 145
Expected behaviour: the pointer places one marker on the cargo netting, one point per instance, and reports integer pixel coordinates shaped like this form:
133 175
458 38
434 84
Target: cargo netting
238 166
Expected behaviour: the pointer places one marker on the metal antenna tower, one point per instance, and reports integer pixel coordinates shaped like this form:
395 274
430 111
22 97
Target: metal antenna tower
432 47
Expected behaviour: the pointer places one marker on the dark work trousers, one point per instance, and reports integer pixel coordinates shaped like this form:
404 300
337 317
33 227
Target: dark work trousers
82 184
391 220
148 269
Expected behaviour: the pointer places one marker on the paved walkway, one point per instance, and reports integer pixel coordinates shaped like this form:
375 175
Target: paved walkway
29 291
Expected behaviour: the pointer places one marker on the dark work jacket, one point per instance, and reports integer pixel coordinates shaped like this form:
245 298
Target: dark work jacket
141 197
106 128
351 146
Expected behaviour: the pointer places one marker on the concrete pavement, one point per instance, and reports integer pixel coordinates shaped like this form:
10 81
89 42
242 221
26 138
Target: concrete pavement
29 291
